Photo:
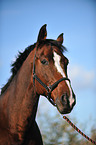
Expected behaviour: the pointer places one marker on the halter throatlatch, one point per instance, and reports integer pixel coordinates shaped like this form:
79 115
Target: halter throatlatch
50 88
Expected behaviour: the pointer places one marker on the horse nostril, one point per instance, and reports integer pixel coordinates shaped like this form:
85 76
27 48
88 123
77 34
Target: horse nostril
64 98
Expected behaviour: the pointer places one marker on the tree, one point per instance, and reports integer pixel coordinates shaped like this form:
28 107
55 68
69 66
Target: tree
56 131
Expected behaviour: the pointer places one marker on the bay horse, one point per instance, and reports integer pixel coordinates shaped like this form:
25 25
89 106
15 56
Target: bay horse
40 70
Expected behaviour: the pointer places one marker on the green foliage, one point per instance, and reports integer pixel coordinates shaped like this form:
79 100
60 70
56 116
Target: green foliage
56 131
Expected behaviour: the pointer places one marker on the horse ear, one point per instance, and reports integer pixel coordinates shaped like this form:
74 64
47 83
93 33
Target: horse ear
60 38
42 33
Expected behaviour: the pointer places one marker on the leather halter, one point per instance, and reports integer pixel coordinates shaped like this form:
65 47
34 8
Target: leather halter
49 88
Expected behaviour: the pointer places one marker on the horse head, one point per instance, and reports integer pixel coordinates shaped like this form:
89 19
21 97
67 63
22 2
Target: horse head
50 72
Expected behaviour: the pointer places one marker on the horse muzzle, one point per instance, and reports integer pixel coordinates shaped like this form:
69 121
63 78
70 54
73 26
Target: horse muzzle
63 104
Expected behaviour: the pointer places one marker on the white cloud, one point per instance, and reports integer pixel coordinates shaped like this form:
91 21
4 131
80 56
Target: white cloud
81 77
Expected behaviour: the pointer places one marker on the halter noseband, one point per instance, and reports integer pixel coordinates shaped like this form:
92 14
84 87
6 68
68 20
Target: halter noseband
49 88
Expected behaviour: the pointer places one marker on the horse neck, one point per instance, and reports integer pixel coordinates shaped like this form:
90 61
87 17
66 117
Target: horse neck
19 102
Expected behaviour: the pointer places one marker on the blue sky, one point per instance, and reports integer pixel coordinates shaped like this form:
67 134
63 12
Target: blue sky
20 21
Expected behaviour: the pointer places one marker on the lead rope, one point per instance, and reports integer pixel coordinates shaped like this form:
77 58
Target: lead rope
78 130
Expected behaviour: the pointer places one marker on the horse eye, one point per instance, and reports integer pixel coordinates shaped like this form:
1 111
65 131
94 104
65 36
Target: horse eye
44 61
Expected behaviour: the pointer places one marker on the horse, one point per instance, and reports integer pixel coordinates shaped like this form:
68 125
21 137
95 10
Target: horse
40 70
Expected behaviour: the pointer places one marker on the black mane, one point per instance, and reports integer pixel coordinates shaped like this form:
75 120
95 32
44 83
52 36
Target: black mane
22 57
17 64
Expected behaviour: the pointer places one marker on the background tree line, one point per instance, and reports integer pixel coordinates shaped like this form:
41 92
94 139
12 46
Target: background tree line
56 131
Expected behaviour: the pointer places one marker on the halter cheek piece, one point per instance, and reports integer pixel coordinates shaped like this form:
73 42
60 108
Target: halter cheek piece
50 88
